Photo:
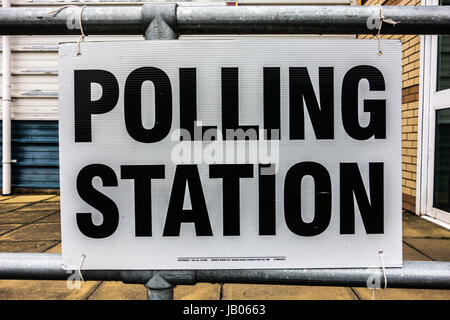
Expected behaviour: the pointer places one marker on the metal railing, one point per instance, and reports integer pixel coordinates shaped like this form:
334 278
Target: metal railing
228 20
160 283
168 21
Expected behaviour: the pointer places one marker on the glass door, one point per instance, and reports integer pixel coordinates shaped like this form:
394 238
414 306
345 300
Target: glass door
441 109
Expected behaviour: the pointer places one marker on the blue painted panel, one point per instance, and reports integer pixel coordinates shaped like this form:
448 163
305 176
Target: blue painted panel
35 147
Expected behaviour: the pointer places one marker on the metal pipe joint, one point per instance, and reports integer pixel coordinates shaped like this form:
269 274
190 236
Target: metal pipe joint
159 289
159 21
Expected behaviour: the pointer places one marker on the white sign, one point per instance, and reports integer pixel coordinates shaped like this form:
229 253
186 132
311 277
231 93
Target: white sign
230 154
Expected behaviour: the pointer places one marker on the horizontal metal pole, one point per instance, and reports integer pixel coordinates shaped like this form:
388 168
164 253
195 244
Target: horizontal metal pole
231 20
95 20
49 266
313 20
413 274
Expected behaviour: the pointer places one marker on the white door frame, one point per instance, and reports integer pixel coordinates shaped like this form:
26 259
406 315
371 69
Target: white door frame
429 102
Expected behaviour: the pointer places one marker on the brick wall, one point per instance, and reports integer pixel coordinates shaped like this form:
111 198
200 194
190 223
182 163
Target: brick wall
410 104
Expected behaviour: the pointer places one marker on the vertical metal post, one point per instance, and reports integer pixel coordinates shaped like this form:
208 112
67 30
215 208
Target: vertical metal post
159 289
6 112
159 23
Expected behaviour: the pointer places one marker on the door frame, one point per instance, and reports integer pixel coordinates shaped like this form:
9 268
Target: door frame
429 102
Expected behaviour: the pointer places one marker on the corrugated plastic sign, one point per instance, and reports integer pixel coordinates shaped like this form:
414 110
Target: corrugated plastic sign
230 154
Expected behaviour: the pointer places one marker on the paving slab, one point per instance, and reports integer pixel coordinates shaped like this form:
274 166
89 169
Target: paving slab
54 199
51 206
116 290
200 291
2 198
4 228
35 232
26 246
402 294
55 249
7 207
27 198
284 292
54 218
411 254
44 290
23 217
437 249
417 227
